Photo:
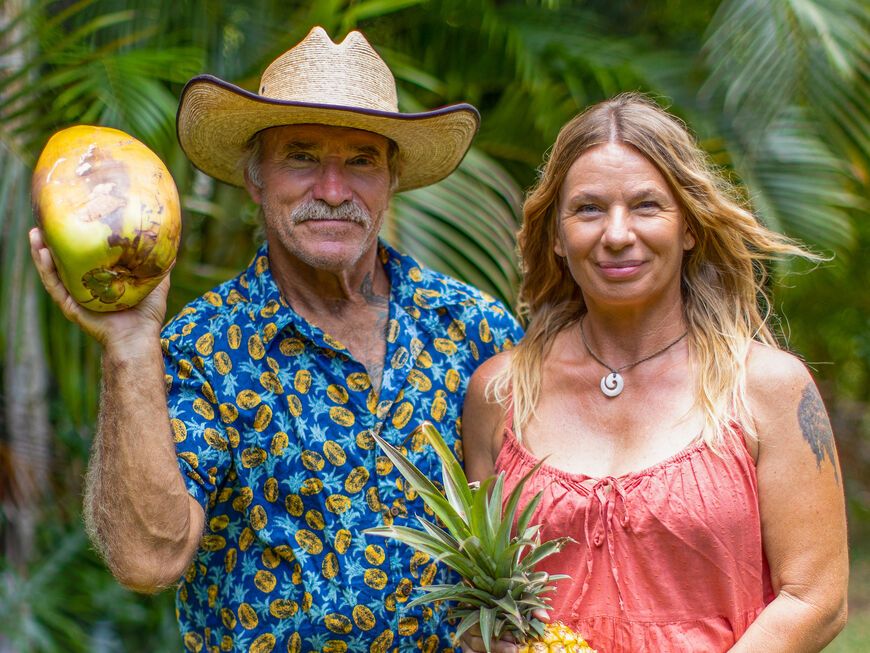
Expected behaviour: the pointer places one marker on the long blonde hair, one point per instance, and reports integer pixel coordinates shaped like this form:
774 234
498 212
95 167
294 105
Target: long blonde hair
724 275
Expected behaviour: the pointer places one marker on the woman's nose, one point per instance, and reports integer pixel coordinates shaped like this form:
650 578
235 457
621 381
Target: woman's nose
618 232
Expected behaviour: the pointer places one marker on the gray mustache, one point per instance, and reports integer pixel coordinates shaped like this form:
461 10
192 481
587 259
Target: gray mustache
315 210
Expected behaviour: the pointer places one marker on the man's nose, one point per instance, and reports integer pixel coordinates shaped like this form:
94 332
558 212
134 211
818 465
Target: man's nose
332 184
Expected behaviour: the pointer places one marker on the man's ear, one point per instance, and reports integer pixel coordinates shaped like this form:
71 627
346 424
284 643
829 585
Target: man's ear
254 190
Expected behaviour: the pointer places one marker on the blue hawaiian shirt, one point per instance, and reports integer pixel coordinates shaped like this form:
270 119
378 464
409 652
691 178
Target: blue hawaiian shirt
272 421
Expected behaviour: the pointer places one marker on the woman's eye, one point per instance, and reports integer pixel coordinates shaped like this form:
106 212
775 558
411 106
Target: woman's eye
588 209
648 205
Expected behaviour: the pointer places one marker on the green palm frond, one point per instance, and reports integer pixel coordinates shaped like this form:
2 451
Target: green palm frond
755 55
797 184
463 226
764 57
782 73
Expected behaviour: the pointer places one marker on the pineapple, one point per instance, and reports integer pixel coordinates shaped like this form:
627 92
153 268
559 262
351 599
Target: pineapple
500 588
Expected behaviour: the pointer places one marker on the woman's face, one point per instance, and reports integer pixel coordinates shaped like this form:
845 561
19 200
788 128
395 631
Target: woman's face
621 230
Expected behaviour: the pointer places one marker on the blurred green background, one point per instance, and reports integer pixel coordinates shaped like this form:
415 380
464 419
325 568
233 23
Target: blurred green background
777 91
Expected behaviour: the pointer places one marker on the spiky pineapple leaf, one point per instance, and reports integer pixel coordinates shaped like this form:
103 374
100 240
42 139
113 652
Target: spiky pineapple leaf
487 626
494 515
427 544
512 555
534 602
544 550
509 605
451 469
471 619
539 628
439 533
530 538
527 512
482 559
426 489
478 516
468 595
451 490
503 534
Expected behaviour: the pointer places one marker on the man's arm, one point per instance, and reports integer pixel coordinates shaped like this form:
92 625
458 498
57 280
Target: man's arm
137 509
802 509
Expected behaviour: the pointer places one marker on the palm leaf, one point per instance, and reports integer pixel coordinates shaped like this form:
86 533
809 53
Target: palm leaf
781 74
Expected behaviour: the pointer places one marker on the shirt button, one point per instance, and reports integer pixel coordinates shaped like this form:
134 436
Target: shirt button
404 590
394 511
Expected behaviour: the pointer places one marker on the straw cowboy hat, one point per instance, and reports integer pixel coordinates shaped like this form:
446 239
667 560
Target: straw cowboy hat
318 81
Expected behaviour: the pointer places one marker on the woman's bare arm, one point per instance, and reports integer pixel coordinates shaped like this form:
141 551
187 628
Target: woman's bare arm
802 509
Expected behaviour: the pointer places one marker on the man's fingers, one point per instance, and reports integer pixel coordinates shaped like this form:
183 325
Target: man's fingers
48 273
504 646
35 236
51 280
474 644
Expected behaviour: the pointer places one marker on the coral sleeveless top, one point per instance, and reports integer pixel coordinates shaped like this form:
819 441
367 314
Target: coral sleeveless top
666 559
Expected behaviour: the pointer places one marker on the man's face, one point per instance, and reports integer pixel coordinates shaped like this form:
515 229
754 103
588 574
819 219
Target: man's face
323 191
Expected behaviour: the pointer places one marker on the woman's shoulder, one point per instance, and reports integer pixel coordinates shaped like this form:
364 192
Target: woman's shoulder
492 367
769 368
479 395
776 381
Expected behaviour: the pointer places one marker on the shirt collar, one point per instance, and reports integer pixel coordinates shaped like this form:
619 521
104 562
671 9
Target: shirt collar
415 288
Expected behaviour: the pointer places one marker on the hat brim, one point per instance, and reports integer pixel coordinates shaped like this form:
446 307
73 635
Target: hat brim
216 119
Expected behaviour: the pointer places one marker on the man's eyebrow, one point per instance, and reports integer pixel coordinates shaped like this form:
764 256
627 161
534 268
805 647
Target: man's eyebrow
371 150
298 145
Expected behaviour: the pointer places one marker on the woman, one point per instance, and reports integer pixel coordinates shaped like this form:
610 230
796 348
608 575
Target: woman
687 454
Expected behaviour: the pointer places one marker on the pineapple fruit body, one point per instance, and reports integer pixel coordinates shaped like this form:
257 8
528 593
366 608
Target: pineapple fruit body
558 638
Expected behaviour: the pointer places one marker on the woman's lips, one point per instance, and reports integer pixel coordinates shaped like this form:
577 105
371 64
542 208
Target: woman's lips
619 269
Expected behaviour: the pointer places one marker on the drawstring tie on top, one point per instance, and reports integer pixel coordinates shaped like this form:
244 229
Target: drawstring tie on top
607 492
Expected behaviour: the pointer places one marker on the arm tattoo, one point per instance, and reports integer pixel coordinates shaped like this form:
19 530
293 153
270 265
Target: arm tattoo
815 426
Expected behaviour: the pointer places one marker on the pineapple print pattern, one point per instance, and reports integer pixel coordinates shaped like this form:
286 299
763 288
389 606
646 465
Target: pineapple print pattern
272 421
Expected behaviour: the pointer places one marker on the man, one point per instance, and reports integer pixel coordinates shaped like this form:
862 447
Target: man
234 449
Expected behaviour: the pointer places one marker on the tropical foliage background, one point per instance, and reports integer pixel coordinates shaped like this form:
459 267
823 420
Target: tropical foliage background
778 92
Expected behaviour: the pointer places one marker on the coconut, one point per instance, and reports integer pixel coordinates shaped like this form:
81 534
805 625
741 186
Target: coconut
109 213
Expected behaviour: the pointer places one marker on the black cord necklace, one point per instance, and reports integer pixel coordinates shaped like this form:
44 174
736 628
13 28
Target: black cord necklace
613 383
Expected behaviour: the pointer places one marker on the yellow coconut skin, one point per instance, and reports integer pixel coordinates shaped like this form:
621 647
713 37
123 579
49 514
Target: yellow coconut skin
109 213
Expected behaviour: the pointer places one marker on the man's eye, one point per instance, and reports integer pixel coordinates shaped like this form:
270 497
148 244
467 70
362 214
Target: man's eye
300 157
361 161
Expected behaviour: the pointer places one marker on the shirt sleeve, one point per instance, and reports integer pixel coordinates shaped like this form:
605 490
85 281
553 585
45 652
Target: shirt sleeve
498 328
201 440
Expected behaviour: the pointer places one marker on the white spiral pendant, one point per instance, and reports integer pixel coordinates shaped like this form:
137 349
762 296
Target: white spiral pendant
611 384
